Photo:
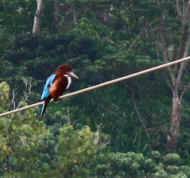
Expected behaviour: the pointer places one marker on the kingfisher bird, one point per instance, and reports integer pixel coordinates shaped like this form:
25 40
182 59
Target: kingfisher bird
56 84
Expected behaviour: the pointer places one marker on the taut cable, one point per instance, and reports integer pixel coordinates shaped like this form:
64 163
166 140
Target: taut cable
101 85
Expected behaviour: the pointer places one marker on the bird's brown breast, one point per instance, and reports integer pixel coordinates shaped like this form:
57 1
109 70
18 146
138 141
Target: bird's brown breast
58 87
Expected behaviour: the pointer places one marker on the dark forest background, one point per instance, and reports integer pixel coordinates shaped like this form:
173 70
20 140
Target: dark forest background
139 128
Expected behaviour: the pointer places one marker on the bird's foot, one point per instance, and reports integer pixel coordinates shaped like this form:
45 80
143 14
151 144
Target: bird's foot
55 99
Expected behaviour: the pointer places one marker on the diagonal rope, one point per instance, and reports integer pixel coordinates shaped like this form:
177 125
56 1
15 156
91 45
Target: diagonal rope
101 85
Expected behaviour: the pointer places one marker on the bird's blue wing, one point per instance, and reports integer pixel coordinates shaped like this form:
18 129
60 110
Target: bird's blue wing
49 82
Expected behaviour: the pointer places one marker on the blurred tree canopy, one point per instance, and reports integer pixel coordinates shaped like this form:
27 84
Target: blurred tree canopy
112 132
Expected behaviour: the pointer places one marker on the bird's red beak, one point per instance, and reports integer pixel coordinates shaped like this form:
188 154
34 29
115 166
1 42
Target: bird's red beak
72 74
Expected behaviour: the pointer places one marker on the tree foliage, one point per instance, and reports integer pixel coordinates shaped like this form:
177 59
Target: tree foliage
111 132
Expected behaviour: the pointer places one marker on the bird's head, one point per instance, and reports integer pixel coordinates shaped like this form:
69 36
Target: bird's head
66 69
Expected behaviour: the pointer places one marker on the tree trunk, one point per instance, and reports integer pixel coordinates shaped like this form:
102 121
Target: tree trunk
176 84
37 17
174 131
74 14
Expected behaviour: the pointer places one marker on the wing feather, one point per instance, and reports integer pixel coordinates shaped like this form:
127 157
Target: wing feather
48 84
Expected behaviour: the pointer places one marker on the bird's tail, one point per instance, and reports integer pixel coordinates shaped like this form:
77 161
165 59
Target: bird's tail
43 109
44 106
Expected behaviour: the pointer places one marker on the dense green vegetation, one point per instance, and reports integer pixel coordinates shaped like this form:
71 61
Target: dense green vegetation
128 130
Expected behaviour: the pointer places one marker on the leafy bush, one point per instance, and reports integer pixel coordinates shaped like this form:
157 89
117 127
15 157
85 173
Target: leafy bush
139 166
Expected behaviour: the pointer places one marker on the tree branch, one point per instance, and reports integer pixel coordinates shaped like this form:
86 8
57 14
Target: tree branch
178 9
185 41
185 30
183 65
185 89
164 49
186 13
139 117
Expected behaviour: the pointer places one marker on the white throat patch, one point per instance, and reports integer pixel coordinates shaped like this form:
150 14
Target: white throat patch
68 80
